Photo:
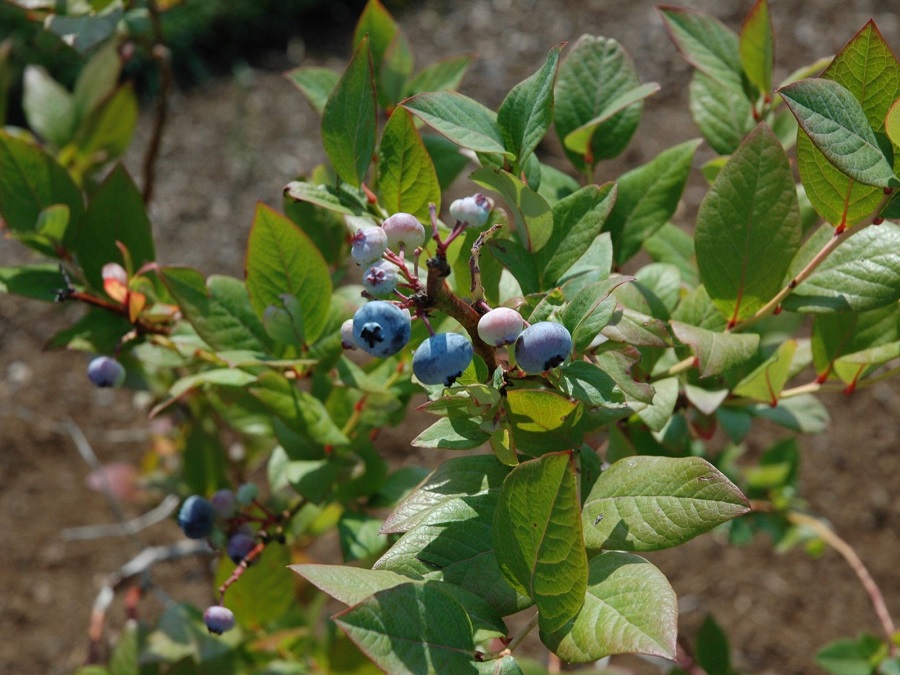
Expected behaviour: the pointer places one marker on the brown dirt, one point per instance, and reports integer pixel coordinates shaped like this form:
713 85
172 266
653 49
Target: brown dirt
237 140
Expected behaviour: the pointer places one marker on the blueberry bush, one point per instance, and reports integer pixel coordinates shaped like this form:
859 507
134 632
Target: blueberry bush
594 365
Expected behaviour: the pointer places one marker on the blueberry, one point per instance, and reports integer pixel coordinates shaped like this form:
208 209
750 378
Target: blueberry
218 619
500 326
542 346
239 545
196 517
381 278
404 232
347 339
473 211
224 503
442 358
368 245
106 372
381 328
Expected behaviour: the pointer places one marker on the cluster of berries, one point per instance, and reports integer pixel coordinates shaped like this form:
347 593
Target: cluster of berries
218 518
382 327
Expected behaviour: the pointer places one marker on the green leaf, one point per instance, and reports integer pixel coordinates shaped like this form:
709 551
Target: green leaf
712 651
670 244
590 310
40 282
282 259
651 503
595 77
867 67
768 379
538 540
850 366
315 83
349 118
460 119
723 115
542 421
30 181
444 74
48 106
218 309
107 131
455 479
391 56
223 377
531 212
519 262
116 213
716 352
452 433
706 44
205 462
323 196
748 227
861 274
82 33
406 175
840 200
298 409
447 158
629 608
589 384
647 198
266 591
837 334
660 410
577 221
359 536
412 628
97 331
97 79
756 46
579 140
527 111
805 413
836 124
850 657
352 585
892 123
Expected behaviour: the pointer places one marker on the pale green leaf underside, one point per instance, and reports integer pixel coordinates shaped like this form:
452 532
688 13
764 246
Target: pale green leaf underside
629 608
651 503
716 352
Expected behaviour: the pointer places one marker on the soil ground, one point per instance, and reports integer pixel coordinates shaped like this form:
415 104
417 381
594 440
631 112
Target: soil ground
239 139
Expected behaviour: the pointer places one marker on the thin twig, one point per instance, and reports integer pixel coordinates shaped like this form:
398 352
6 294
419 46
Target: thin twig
129 527
513 643
162 56
138 565
830 537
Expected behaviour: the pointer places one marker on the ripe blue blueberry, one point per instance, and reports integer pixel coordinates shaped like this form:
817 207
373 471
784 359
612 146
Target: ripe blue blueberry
218 619
239 545
368 245
542 346
381 278
473 211
500 326
404 232
196 517
106 372
381 328
442 358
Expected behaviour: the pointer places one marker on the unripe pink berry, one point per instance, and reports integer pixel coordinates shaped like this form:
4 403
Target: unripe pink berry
368 245
500 326
347 339
404 232
473 211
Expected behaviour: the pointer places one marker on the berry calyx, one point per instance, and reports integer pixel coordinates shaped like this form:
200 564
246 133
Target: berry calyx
542 346
368 245
381 278
104 371
380 328
218 619
471 211
404 232
442 358
500 326
196 517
